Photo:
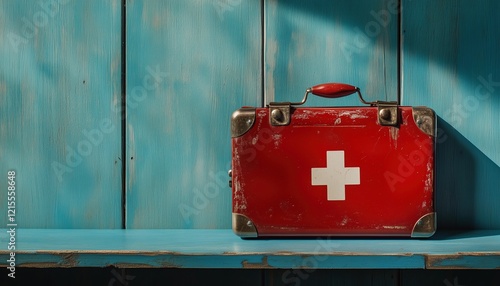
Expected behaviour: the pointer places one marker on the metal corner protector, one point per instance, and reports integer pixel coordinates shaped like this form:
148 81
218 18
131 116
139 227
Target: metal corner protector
242 120
243 226
425 226
425 119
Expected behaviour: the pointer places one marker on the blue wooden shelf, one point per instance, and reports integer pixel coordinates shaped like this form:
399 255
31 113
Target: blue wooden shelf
222 249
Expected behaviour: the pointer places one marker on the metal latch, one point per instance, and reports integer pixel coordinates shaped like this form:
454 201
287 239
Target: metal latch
279 113
388 112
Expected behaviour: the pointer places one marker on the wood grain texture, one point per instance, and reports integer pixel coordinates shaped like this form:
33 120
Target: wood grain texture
452 67
220 248
313 42
208 62
59 76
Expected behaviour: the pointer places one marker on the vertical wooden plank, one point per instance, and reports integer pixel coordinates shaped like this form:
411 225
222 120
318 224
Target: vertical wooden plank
59 77
450 63
190 64
312 42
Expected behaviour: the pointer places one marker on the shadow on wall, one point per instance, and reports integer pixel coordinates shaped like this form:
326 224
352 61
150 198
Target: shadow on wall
461 38
467 183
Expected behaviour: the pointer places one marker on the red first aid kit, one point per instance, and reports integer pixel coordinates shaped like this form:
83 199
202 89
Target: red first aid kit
333 171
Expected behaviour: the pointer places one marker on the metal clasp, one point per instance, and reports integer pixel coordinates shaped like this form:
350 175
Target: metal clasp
279 113
388 113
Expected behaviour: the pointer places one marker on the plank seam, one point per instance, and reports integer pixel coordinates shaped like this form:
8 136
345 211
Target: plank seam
262 57
124 110
400 53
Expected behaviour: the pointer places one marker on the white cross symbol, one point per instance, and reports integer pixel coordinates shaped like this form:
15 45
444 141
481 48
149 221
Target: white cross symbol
335 176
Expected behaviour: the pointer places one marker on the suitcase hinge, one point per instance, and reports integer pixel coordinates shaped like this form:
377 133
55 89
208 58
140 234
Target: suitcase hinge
388 112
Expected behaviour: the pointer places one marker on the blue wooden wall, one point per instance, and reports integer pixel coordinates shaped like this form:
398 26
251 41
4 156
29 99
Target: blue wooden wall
208 58
59 76
189 64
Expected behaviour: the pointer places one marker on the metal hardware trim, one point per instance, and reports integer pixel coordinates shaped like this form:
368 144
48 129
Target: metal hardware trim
243 226
242 120
425 226
388 113
279 113
425 119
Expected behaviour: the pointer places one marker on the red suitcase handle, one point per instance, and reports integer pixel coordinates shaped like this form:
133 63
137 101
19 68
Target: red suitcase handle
332 90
